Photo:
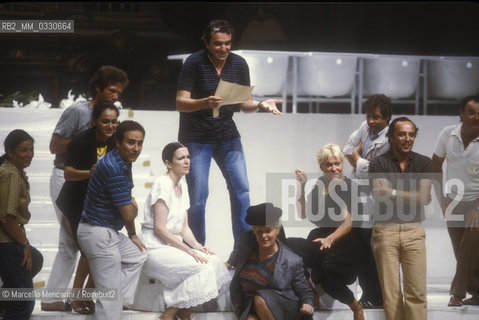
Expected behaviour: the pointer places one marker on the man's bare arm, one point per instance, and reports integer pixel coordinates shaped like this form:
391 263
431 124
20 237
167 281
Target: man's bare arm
422 196
351 160
184 102
437 162
128 212
73 174
59 144
269 105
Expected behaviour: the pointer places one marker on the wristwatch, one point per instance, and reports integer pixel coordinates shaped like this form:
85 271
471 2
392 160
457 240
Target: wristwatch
394 194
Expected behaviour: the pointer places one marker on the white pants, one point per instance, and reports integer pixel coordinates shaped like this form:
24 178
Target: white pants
66 257
115 263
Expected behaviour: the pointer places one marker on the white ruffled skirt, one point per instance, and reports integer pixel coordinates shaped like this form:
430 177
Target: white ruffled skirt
186 283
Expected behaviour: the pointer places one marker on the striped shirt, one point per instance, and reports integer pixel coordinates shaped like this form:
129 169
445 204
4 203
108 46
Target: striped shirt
386 166
256 274
14 196
109 187
199 77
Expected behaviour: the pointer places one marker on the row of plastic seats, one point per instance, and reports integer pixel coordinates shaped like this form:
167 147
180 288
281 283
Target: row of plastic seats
348 77
448 78
396 77
324 78
268 73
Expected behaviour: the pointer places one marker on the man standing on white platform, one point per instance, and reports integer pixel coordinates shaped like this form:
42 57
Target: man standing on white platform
208 137
115 261
367 142
106 85
459 146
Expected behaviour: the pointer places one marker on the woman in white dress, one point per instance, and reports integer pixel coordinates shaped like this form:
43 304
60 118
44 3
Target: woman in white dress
189 273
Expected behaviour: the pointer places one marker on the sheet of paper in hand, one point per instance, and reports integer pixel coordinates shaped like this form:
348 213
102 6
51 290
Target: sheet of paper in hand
232 93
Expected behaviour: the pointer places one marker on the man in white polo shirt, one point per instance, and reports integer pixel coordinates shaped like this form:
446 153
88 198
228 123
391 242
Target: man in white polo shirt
459 146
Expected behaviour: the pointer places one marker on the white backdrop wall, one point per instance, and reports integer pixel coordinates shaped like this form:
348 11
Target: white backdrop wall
272 144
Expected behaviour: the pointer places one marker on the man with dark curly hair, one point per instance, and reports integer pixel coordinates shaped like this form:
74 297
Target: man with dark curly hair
106 85
369 141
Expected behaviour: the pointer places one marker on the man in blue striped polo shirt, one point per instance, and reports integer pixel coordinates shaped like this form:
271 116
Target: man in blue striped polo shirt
115 261
208 137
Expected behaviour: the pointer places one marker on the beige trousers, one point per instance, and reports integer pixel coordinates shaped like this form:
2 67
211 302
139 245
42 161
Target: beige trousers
401 247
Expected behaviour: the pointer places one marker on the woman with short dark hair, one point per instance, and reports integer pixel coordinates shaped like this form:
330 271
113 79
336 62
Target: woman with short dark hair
19 261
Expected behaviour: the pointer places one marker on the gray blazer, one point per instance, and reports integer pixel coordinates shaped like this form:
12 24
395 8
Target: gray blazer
288 278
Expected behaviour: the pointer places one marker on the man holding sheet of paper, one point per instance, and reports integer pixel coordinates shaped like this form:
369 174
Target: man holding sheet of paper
206 123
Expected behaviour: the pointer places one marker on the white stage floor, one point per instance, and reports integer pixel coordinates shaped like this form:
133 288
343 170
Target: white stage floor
438 298
279 146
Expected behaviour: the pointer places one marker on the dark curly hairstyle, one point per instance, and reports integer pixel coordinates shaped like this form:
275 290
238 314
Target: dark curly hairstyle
105 76
380 101
222 26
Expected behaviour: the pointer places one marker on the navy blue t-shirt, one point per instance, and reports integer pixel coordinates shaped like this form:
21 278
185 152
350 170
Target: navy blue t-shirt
199 77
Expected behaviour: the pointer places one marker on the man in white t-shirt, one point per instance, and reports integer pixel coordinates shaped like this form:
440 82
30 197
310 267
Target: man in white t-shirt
459 146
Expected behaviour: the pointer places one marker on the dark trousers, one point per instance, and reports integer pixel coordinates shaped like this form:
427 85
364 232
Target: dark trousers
332 269
367 272
465 245
14 275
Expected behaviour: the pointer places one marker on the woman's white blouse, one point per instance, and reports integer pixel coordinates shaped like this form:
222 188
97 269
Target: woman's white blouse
177 207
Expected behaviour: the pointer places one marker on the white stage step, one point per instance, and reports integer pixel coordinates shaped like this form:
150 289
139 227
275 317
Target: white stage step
438 297
303 135
434 313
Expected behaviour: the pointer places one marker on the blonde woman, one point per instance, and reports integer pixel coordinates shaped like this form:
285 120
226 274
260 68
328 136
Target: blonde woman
332 249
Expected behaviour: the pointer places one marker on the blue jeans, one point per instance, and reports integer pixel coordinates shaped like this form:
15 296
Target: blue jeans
14 275
229 157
